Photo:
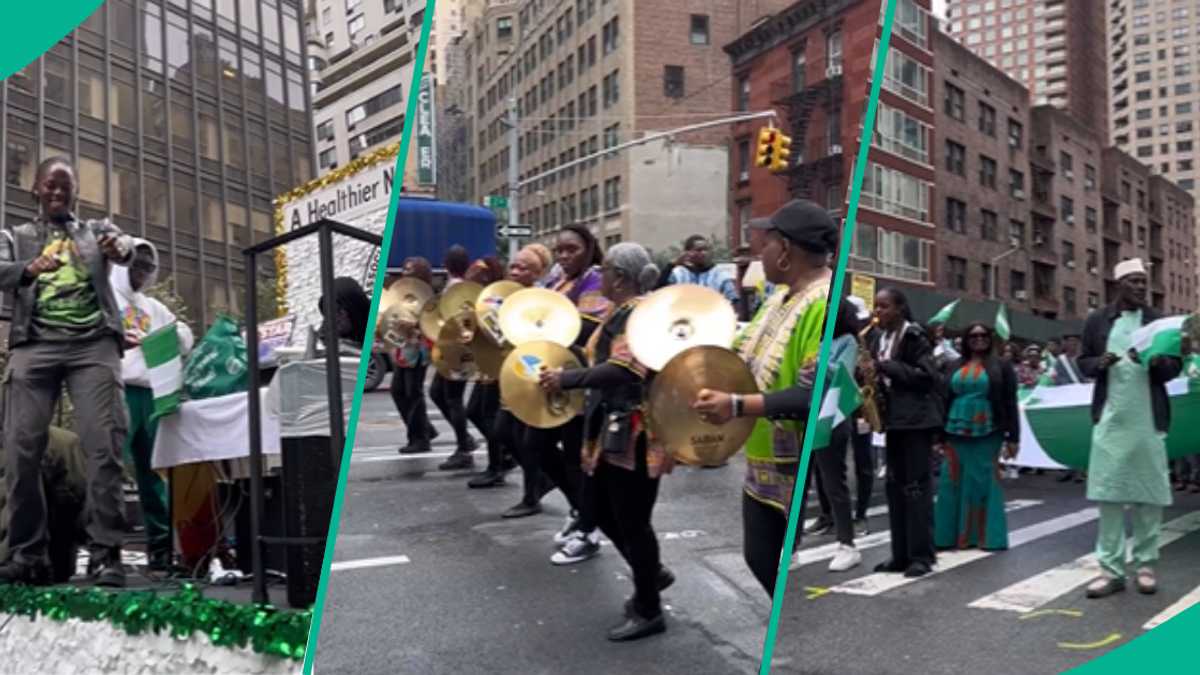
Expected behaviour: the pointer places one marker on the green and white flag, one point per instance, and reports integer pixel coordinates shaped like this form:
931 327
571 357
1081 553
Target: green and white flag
165 365
1159 338
1002 329
841 400
943 315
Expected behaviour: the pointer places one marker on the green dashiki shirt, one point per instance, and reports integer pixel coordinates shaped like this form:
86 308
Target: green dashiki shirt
781 346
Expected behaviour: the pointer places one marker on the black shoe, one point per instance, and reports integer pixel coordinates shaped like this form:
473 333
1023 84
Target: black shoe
159 561
508 465
416 448
862 527
457 461
917 569
486 479
637 627
822 526
665 579
890 566
522 510
1067 477
106 569
13 572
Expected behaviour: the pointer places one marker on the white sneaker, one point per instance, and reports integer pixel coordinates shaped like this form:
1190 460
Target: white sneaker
847 557
568 531
579 548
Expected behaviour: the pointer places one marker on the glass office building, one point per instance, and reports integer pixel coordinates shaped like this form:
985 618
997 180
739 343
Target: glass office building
185 119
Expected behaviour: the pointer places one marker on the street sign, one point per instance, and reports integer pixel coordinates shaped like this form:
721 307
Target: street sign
426 133
515 231
496 202
863 288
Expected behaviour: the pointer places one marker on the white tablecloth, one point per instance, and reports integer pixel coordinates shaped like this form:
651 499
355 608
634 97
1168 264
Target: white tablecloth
214 429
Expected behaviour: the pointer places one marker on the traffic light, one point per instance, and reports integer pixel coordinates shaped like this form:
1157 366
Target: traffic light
765 156
783 150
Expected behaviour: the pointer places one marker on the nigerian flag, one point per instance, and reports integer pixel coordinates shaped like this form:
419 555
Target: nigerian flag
841 400
943 315
161 351
1002 329
1159 338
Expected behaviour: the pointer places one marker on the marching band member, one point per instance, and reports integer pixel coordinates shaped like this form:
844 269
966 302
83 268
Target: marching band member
483 405
446 394
526 268
912 415
1128 461
408 380
618 452
781 346
577 275
982 424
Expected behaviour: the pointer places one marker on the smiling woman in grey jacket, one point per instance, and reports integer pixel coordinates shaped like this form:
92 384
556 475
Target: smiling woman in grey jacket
66 329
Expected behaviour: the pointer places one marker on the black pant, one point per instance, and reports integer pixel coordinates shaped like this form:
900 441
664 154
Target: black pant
831 476
864 472
624 507
763 531
511 433
408 394
482 409
910 496
447 395
564 469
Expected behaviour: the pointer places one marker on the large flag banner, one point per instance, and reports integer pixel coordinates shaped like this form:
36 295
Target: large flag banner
840 402
1159 338
943 315
1056 424
1003 331
161 351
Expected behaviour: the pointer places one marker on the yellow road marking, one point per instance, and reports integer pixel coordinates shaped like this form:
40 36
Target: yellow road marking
815 592
1073 613
1091 645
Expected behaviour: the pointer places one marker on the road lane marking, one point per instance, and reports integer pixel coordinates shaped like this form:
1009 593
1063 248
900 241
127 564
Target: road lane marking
1091 645
828 551
815 592
1169 613
369 562
1036 591
881 582
1073 613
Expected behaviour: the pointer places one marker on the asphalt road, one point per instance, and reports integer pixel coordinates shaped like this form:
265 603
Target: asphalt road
461 590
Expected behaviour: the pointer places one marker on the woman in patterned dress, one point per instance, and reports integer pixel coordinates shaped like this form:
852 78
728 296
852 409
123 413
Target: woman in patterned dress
981 426
408 380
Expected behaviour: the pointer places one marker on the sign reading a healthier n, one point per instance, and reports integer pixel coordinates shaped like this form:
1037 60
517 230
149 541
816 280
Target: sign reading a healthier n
345 200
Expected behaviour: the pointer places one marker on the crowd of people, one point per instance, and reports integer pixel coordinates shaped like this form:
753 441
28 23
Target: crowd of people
948 407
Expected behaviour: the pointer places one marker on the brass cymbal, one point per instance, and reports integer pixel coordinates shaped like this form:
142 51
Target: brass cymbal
538 314
523 395
458 298
673 319
452 356
395 324
688 438
431 320
409 293
487 308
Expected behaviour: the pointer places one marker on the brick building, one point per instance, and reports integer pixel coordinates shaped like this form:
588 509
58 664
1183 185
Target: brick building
813 64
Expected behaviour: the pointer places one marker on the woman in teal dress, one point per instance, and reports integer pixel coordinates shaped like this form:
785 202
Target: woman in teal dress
981 424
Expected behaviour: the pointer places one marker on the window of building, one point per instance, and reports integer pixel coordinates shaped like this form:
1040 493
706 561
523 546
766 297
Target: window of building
985 281
833 54
355 26
987 119
895 192
956 273
891 254
799 69
898 132
743 161
955 102
743 93
956 159
504 28
673 81
699 29
612 92
1066 210
906 77
327 159
987 225
612 194
987 172
610 35
374 104
956 215
1016 284
1016 184
1016 133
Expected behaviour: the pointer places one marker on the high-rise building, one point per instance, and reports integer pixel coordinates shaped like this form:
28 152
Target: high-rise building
362 54
1056 48
587 75
183 125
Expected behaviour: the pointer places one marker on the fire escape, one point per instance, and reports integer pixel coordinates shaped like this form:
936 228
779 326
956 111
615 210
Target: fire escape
816 162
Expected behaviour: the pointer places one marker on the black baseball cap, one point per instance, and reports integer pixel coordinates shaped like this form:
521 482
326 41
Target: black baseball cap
807 224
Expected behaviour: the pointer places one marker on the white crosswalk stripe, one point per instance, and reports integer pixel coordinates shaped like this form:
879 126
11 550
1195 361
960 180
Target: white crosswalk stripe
1175 609
1030 594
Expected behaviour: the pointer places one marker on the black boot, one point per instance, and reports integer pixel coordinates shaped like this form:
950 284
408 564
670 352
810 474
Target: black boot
13 572
105 567
637 627
416 448
487 479
458 461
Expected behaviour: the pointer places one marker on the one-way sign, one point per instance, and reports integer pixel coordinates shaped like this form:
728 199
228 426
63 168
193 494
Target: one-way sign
515 231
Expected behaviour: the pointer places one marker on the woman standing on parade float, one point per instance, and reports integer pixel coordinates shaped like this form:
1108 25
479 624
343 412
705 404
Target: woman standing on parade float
66 329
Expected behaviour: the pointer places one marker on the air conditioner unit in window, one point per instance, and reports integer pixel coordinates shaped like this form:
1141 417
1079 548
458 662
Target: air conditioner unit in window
1070 175
1070 264
1039 241
1093 271
1018 194
1014 142
834 70
835 149
1069 219
1093 303
1020 295
1015 242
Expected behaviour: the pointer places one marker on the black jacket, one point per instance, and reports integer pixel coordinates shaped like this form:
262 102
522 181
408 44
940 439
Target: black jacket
1095 344
912 401
1002 394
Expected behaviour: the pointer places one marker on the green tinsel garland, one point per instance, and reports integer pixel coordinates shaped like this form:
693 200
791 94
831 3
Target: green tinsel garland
267 630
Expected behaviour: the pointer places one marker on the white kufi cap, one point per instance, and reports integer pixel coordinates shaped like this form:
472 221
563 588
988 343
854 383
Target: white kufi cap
1127 267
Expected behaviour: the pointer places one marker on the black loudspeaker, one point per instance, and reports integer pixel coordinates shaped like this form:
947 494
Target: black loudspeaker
272 525
309 486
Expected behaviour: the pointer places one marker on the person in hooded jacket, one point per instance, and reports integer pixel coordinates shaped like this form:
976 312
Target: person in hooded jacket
140 316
